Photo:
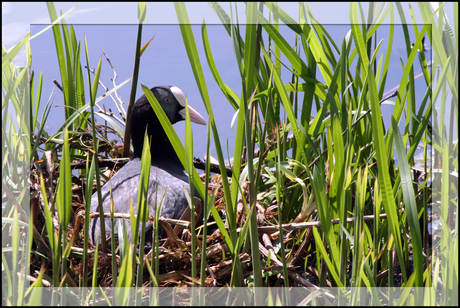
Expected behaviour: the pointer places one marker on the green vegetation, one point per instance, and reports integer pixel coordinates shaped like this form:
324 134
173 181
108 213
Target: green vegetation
315 201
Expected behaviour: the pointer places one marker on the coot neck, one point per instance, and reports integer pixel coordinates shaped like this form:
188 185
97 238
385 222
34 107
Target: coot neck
161 149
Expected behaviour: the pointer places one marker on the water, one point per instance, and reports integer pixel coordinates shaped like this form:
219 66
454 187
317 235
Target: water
165 62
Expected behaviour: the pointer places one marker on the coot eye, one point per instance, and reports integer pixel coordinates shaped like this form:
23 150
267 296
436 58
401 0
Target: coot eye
167 99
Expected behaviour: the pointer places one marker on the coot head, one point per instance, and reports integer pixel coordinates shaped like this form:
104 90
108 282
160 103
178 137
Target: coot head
172 99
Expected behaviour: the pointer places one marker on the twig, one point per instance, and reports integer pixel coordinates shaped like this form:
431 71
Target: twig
110 113
151 218
214 168
368 111
33 279
120 107
58 85
111 163
296 277
305 225
269 248
304 246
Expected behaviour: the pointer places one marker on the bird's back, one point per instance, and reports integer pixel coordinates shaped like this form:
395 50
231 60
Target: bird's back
125 186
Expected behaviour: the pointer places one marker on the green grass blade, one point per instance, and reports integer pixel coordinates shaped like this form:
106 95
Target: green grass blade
142 205
249 75
88 194
286 48
318 53
388 53
411 205
11 53
56 20
382 163
229 93
358 36
141 11
192 52
64 191
93 93
132 94
286 104
190 171
330 265
125 278
222 15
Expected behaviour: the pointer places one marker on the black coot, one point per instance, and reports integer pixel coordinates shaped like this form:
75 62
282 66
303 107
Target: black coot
166 169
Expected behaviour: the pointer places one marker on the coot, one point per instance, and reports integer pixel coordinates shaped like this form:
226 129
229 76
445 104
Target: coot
166 169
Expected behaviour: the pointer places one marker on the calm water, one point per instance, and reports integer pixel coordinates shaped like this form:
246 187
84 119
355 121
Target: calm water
165 62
